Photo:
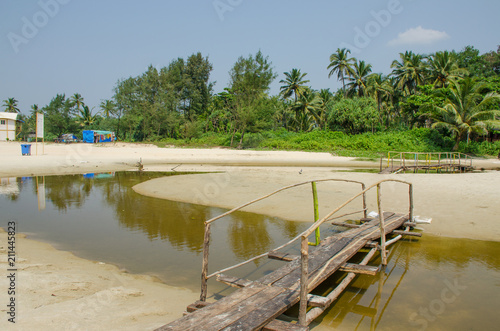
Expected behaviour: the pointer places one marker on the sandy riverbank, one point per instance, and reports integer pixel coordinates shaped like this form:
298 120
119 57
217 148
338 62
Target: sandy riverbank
60 291
56 290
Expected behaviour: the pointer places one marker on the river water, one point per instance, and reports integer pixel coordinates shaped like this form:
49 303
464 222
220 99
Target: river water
431 283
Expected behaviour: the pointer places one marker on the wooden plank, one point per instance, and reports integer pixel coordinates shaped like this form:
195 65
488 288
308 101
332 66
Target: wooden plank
320 257
230 318
233 281
194 321
197 305
359 269
347 225
267 312
317 301
278 325
282 256
407 233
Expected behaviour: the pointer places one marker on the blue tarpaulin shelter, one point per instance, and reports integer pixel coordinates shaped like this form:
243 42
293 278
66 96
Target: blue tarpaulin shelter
98 136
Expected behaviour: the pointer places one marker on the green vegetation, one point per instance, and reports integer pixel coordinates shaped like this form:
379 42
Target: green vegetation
438 102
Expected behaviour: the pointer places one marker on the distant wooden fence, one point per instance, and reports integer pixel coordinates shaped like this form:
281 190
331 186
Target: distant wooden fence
439 162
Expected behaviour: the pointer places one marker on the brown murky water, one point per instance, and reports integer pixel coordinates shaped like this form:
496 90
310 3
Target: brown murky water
431 283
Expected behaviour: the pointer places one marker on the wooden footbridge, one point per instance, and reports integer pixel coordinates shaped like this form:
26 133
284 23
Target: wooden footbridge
415 162
258 304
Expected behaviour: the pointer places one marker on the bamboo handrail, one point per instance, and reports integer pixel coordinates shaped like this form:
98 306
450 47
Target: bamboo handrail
206 243
304 278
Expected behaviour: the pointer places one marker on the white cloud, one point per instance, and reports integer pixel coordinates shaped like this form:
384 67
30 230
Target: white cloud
419 36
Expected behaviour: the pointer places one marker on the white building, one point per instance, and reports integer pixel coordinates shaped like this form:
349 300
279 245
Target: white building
8 126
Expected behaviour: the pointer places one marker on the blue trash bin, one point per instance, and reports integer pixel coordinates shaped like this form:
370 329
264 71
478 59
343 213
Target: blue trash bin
26 149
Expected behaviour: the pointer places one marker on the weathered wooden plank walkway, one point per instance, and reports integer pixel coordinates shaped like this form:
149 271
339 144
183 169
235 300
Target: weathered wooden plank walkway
257 304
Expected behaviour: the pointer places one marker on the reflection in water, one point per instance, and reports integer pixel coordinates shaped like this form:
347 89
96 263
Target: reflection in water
102 218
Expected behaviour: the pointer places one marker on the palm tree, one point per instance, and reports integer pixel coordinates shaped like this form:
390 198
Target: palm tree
341 64
11 105
35 109
443 68
465 110
380 88
309 104
357 82
77 100
86 118
409 72
293 84
108 107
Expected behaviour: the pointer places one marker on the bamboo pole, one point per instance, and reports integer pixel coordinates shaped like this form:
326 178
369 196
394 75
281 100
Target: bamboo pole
365 211
316 213
304 250
410 193
381 223
204 271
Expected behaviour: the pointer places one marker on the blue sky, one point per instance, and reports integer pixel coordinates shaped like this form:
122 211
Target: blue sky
86 46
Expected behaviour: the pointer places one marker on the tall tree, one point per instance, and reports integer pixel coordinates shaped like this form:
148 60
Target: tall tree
250 79
358 80
11 105
466 110
108 108
86 118
380 88
197 89
443 69
310 105
341 64
77 101
293 84
409 72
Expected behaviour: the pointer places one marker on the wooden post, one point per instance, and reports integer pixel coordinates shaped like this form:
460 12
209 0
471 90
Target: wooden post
304 250
204 271
411 202
381 223
363 187
316 213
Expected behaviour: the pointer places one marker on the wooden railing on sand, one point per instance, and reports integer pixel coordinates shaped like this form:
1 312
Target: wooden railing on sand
440 162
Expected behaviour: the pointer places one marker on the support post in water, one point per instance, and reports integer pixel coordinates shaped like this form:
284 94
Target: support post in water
304 279
204 271
316 213
382 227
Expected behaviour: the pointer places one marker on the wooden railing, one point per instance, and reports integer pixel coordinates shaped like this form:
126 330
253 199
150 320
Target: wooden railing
304 236
415 160
304 247
207 236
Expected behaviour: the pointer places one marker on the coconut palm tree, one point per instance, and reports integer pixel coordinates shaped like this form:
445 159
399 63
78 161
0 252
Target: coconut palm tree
443 68
310 104
77 101
359 78
380 88
409 72
341 64
11 105
35 108
294 84
465 110
108 107
85 118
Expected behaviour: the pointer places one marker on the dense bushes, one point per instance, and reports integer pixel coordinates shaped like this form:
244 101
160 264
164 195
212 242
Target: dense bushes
339 143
